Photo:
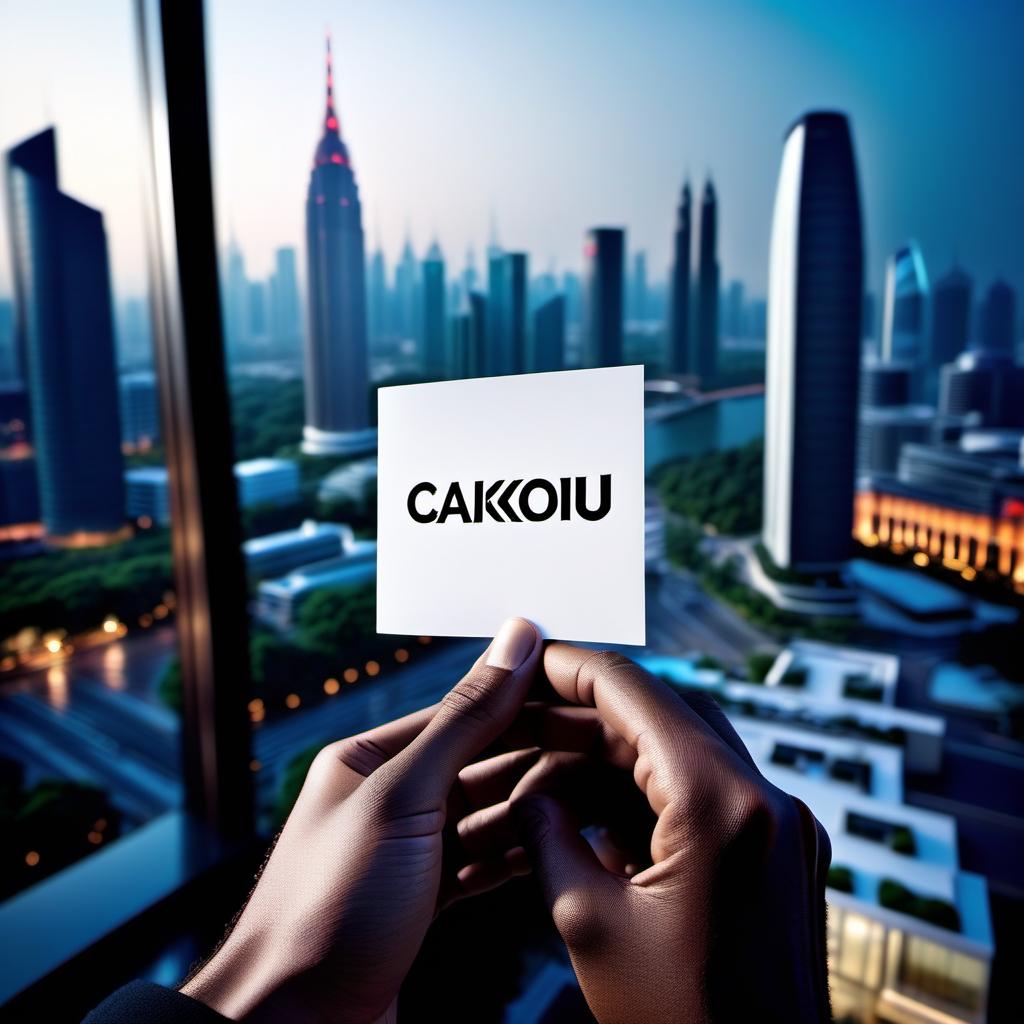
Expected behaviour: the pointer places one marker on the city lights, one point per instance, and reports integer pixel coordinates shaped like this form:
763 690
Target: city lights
372 668
292 701
331 687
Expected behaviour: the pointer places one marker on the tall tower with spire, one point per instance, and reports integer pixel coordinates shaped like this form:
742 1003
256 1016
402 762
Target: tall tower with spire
706 361
679 330
337 382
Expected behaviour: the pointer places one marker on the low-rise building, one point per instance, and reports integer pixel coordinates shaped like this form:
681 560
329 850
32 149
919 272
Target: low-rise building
267 482
279 600
275 554
909 932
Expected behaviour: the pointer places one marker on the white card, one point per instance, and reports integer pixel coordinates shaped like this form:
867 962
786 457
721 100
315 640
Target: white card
450 560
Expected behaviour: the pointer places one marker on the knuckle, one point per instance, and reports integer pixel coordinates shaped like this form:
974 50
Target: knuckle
360 753
472 698
579 922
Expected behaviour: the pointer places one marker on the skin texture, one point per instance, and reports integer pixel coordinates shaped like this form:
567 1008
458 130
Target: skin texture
694 892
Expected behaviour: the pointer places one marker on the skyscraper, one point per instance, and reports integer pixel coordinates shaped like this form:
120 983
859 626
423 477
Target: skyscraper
603 254
285 315
258 310
998 313
337 399
497 360
435 317
906 297
517 283
706 362
63 298
377 298
638 288
547 351
407 293
679 356
734 306
236 297
951 317
815 280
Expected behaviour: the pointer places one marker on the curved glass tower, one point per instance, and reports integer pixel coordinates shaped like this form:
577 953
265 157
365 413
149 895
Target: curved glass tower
906 297
337 383
65 333
815 280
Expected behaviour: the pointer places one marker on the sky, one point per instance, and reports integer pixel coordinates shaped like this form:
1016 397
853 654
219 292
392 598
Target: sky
548 117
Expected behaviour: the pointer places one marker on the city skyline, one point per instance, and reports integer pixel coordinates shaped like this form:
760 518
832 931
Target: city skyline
545 193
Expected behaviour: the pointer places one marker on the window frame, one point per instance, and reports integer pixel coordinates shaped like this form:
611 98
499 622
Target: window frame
66 921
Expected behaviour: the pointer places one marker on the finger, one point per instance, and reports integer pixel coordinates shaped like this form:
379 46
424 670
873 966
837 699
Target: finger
489 782
578 891
677 753
711 712
484 875
596 792
365 752
470 716
569 728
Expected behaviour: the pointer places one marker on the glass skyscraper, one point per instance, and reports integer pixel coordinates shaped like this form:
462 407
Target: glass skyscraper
435 318
705 363
603 255
906 297
679 359
815 281
337 383
65 331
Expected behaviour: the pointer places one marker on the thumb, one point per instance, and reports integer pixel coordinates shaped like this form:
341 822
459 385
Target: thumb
474 713
583 898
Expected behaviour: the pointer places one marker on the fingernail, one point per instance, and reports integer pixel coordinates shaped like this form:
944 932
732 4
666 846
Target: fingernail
512 645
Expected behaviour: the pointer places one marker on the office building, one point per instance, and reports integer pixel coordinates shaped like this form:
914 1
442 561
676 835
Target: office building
910 934
355 483
10 369
235 289
638 307
951 317
336 381
66 325
603 254
267 482
884 384
19 493
516 306
275 554
140 411
887 418
905 310
377 300
705 363
134 333
285 312
498 358
147 495
408 295
985 386
279 601
548 347
258 482
813 348
961 504
15 428
259 313
434 357
998 316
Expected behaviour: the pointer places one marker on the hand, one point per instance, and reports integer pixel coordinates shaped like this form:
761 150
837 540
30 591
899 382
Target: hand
360 869
703 899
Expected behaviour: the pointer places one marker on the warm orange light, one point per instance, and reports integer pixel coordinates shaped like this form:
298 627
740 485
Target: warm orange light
350 675
256 704
110 625
424 640
920 558
401 655
145 620
331 687
31 858
95 838
293 700
144 522
53 646
100 824
160 611
372 668
255 765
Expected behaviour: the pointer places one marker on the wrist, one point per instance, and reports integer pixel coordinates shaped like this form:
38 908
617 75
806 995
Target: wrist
238 979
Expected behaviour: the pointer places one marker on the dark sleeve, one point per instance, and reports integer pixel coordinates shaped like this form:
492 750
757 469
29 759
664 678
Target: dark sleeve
142 1002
